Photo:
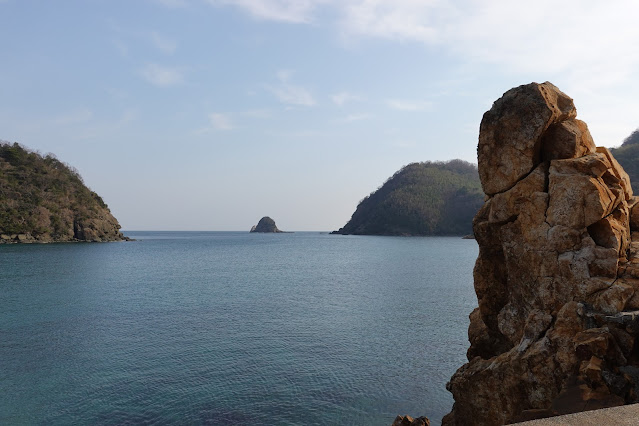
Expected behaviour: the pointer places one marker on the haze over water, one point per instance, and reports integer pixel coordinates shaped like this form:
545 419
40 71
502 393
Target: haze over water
224 327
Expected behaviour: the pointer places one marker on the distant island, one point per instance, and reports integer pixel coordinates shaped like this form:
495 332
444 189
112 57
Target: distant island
428 198
266 225
44 200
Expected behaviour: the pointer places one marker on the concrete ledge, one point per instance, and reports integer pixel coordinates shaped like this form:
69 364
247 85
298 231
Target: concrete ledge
627 415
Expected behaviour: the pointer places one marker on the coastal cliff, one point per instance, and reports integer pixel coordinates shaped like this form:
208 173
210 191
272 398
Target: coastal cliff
44 200
557 276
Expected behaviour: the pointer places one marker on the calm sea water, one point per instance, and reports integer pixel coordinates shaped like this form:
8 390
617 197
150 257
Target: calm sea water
232 328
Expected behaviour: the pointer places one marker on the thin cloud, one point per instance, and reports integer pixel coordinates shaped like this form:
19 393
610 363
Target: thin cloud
292 11
285 75
162 76
158 40
163 43
548 37
583 46
128 116
80 116
120 46
289 93
221 121
411 20
293 95
580 40
173 4
409 105
117 93
344 97
355 117
403 143
258 113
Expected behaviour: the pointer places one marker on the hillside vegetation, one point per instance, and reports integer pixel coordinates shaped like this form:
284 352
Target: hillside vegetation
44 200
628 156
429 198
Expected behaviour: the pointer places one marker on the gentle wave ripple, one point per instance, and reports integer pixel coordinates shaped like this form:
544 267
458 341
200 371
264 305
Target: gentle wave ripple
232 328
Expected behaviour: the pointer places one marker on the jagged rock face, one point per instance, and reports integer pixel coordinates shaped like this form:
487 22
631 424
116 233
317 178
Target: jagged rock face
555 272
266 224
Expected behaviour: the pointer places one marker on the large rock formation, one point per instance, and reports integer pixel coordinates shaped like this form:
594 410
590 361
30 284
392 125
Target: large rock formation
266 225
44 200
557 273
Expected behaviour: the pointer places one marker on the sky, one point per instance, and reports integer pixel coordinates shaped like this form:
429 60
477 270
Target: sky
209 114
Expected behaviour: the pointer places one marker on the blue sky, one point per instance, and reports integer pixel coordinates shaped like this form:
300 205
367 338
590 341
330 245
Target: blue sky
209 114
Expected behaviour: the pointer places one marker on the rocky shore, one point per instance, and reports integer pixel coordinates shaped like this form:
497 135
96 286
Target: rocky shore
28 239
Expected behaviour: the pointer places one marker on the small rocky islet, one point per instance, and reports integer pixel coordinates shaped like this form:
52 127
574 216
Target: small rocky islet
266 225
43 200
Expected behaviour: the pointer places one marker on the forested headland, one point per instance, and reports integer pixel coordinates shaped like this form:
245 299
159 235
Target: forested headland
628 156
427 198
43 199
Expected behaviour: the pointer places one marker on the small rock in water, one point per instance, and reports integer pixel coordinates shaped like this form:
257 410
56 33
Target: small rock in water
266 225
409 421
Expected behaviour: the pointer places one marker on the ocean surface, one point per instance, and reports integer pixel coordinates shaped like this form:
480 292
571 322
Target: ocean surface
233 328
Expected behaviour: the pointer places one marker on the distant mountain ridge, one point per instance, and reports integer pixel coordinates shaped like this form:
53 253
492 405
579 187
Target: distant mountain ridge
45 200
628 156
428 198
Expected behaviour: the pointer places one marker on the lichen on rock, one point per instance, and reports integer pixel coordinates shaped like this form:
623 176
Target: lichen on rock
556 269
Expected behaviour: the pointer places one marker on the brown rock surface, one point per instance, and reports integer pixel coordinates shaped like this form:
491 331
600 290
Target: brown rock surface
557 270
511 133
409 421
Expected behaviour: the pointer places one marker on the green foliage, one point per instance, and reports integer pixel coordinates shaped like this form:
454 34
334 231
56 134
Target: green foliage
633 139
42 196
628 156
430 198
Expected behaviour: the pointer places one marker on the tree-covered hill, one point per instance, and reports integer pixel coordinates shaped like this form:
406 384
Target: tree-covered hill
44 200
628 156
430 198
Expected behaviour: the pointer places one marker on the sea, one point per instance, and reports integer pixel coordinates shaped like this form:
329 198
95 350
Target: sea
233 328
